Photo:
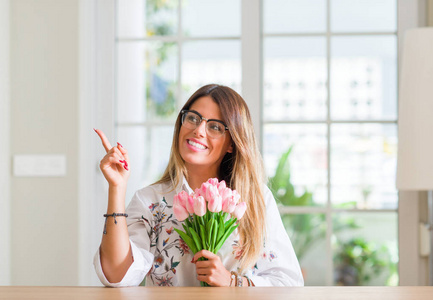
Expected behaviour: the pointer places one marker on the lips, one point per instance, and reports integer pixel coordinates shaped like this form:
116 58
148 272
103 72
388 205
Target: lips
196 144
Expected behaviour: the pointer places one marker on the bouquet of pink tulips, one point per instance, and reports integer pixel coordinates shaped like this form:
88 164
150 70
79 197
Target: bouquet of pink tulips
210 214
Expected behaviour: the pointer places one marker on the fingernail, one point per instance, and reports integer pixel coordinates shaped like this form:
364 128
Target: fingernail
122 161
126 168
94 129
119 144
192 260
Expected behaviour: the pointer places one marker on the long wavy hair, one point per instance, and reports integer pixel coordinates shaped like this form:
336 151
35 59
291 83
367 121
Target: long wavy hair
242 169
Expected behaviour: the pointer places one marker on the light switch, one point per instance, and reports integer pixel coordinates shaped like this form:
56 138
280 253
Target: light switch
49 165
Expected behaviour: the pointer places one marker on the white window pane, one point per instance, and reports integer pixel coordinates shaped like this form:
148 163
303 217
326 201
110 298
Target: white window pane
295 72
211 17
363 166
307 162
134 139
146 81
139 18
365 249
148 150
364 78
287 16
207 62
160 147
363 15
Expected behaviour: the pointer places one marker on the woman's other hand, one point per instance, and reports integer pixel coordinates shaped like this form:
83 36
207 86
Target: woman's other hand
115 164
211 271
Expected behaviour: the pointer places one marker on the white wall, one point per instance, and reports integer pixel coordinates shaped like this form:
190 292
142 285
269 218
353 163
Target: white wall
4 145
44 120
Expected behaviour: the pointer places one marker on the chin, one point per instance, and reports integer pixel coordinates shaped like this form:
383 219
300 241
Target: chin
194 160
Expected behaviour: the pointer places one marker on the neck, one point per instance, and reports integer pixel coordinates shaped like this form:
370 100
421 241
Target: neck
198 175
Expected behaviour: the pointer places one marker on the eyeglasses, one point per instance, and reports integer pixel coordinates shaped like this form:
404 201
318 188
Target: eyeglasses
214 128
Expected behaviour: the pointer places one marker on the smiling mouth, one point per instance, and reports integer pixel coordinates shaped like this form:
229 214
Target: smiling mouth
196 145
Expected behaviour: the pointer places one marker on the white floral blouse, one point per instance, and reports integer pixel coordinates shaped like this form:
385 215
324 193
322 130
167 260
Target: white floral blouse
164 259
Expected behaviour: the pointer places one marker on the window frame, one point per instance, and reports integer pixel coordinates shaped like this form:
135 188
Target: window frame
328 210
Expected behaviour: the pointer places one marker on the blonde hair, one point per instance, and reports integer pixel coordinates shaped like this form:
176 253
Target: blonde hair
242 169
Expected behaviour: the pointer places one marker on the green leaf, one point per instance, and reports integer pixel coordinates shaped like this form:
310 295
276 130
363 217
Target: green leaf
229 223
224 237
188 222
189 241
203 237
221 229
209 228
186 230
196 239
214 234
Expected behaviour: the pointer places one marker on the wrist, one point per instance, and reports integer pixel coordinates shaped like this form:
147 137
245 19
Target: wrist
117 192
117 186
116 199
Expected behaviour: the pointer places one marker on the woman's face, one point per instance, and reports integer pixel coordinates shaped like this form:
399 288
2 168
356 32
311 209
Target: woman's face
210 151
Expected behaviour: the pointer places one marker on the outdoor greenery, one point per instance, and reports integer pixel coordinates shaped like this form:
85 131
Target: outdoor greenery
160 92
306 229
356 261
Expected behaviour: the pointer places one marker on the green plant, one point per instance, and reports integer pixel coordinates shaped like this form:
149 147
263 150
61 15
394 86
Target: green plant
304 229
358 261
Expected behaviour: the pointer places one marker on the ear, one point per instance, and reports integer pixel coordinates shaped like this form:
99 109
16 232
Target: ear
230 148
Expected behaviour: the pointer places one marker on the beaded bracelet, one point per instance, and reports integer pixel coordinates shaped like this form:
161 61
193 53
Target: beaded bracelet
233 276
114 215
239 281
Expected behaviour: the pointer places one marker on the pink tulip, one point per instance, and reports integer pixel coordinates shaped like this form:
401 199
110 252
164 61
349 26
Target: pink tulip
197 192
215 204
180 212
211 192
240 210
221 186
183 198
203 190
229 205
236 196
226 195
199 206
213 181
190 204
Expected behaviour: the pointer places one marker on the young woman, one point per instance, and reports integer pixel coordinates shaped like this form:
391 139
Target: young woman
213 138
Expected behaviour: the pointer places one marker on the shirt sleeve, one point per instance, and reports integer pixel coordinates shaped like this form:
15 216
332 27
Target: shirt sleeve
278 264
140 223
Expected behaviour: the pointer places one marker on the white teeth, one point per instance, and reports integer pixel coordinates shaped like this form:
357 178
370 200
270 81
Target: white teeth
197 145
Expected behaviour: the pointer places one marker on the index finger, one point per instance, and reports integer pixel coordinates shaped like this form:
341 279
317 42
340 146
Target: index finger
104 140
204 253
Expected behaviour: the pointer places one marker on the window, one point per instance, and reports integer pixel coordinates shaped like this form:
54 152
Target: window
165 51
330 134
327 107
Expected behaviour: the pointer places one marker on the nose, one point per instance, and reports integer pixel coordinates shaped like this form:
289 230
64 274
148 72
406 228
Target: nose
200 131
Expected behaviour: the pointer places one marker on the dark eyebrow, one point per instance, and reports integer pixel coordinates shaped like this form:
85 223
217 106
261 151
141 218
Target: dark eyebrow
196 113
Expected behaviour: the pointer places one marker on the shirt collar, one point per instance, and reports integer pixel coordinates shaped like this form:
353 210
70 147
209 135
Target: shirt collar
183 186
